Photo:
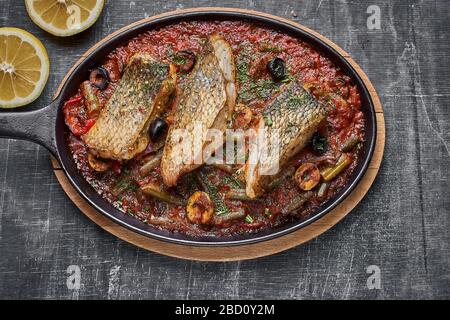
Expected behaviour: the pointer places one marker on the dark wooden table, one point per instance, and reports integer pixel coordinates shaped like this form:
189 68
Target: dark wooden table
402 226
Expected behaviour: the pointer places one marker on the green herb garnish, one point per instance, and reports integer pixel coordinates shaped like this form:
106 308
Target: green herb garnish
249 219
221 207
178 59
232 181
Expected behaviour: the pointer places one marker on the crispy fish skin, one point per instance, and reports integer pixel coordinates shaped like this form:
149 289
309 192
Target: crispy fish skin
294 115
207 101
120 131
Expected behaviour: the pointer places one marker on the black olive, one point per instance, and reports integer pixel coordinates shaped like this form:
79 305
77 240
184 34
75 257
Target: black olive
157 128
319 143
99 78
277 69
184 60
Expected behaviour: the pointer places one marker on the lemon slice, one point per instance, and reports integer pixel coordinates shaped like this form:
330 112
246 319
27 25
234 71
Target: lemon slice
64 17
24 67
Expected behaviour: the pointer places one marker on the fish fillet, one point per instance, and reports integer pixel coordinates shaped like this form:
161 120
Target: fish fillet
290 119
206 102
121 130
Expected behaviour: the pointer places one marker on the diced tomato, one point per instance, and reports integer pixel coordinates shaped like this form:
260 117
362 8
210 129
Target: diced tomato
89 123
354 98
76 116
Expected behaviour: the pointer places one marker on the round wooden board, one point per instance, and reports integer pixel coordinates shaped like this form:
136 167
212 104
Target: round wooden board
250 251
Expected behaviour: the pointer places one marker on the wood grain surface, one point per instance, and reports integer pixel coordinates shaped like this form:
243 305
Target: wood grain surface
402 225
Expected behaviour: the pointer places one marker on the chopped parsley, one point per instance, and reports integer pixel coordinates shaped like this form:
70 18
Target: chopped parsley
269 121
249 219
232 181
179 59
221 207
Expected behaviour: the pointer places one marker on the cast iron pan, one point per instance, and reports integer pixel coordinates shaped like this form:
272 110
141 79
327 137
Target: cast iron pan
46 126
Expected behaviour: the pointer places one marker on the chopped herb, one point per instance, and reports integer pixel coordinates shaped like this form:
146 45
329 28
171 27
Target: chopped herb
249 219
179 59
243 66
288 79
232 181
297 99
123 183
261 89
265 88
211 189
269 121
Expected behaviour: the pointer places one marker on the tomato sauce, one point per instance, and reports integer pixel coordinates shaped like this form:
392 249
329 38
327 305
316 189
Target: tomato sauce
253 46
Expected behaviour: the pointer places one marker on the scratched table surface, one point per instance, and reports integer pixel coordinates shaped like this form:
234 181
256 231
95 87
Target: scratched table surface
401 228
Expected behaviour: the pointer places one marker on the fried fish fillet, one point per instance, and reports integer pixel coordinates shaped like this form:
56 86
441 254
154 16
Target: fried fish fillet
287 125
206 102
121 130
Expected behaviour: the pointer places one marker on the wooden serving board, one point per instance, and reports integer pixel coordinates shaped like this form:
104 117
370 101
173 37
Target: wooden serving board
249 251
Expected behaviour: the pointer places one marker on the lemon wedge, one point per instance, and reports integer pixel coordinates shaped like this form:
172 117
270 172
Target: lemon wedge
64 18
24 67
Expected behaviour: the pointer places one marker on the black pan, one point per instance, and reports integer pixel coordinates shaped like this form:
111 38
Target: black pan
46 126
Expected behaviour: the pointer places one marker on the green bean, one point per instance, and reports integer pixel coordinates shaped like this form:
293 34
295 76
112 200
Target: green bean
350 143
343 162
323 189
151 163
289 172
326 171
233 215
296 203
239 194
156 192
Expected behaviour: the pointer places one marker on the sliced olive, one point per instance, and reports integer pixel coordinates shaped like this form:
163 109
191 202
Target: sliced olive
157 128
184 60
277 69
307 176
99 78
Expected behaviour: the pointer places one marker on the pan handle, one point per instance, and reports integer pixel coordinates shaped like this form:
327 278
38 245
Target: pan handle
36 126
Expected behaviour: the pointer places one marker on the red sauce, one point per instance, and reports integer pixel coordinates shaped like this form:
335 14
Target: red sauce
253 47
